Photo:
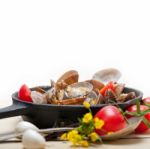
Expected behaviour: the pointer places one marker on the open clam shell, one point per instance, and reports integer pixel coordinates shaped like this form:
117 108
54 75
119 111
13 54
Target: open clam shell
126 97
73 101
67 78
38 98
79 89
110 96
40 90
92 98
119 87
107 75
96 84
133 124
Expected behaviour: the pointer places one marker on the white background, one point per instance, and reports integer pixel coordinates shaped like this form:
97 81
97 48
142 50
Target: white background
40 40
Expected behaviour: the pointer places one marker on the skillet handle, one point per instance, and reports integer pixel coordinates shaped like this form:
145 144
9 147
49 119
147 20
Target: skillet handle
14 110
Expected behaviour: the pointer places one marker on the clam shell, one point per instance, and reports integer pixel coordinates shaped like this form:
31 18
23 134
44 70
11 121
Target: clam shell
40 90
130 96
73 101
61 85
101 99
68 78
60 94
126 97
119 87
79 89
50 94
122 97
52 83
94 97
96 84
110 96
107 75
38 98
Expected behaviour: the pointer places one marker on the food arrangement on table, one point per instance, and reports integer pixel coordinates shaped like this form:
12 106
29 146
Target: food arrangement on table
68 91
105 110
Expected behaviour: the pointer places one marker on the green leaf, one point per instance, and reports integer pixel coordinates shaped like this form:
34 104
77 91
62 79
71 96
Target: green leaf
146 105
131 113
138 107
145 112
147 123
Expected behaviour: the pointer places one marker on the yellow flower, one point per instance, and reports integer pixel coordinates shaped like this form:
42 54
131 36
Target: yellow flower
63 136
71 134
86 104
109 133
98 123
75 141
74 137
94 137
87 118
84 143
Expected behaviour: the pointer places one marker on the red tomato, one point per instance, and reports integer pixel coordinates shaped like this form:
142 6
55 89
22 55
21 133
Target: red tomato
147 100
110 86
25 93
142 127
103 90
113 119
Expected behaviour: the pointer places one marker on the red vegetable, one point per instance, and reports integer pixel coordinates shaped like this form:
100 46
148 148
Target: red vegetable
142 127
110 86
25 93
147 100
103 90
113 119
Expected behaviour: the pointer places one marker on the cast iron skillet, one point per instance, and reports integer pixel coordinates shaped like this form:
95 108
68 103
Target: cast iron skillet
46 115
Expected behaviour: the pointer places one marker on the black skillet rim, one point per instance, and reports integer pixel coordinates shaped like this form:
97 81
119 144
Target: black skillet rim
15 98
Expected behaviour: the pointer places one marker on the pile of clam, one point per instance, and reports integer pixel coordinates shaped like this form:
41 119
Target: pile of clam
68 91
